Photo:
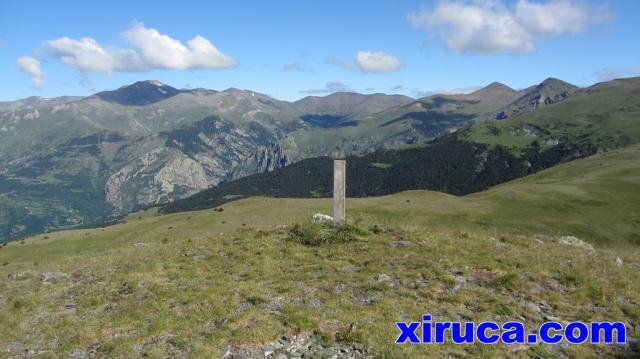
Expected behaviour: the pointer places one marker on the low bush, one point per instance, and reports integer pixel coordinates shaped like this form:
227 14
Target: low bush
318 233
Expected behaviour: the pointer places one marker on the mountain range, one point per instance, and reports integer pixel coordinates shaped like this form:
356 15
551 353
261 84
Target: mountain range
73 160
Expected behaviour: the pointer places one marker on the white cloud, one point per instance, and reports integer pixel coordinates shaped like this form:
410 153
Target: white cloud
368 62
376 62
161 51
330 87
149 50
492 27
31 67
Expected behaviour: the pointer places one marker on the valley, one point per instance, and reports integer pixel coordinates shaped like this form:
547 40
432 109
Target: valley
149 144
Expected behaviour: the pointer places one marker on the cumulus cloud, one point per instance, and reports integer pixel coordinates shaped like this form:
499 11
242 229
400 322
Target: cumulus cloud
149 50
330 87
31 66
493 27
369 62
376 62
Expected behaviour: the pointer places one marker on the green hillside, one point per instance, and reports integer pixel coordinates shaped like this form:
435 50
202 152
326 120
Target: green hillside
145 144
234 280
599 118
605 115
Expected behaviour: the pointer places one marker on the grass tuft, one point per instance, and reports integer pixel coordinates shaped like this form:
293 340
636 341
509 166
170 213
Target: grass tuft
318 233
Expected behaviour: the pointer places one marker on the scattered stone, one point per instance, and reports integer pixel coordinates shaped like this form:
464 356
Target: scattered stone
141 245
574 241
460 281
544 238
15 348
365 298
302 345
619 262
315 303
319 218
70 307
384 279
202 255
551 318
20 276
242 308
79 353
350 268
330 326
52 277
212 326
532 307
400 244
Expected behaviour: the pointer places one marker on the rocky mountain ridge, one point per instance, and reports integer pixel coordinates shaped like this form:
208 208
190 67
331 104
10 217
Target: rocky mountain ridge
72 160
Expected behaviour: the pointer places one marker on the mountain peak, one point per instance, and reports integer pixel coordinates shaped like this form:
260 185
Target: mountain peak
494 89
552 81
497 86
139 93
548 92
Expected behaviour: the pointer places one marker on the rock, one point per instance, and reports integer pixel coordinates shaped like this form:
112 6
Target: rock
52 277
15 348
79 353
365 298
315 303
301 345
70 307
330 326
460 282
141 245
574 241
212 326
551 318
400 244
20 276
242 308
543 237
350 268
320 218
384 278
532 307
203 255
619 262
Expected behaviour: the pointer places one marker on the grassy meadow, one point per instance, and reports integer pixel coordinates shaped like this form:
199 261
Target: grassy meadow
206 283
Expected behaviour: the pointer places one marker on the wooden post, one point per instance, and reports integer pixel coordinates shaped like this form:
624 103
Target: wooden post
339 190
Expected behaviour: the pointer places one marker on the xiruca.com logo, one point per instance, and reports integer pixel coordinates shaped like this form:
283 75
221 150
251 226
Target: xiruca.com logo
513 332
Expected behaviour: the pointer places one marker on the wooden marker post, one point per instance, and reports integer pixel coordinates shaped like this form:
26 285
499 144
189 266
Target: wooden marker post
339 190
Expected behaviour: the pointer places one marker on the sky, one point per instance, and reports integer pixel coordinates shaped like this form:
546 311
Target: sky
292 49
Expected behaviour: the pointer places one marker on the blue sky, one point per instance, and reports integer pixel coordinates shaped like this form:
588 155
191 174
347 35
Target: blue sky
289 49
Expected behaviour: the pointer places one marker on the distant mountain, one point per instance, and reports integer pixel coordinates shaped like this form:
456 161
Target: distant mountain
343 107
71 160
598 118
139 94
547 93
411 122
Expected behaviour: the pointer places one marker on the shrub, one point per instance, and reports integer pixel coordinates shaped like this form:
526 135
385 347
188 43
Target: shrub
318 233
